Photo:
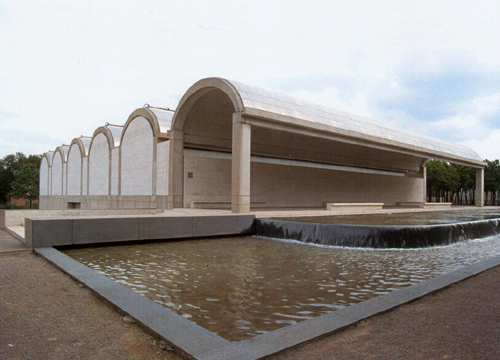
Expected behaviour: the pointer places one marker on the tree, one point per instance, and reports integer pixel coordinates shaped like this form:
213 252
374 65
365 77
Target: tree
25 184
454 183
467 184
6 178
450 182
492 181
441 179
11 164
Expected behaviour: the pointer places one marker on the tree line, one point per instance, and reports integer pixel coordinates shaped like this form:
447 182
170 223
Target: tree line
457 183
19 178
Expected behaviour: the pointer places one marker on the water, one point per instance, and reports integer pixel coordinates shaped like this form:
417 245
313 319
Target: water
242 287
398 230
414 218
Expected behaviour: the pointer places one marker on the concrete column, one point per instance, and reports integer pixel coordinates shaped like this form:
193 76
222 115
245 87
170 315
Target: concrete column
479 187
155 168
424 173
120 171
88 176
110 173
176 170
240 168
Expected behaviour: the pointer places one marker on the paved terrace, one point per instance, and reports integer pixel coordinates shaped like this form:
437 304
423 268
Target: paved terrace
16 222
49 315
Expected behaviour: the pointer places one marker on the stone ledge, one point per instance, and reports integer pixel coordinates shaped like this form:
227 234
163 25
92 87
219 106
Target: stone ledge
218 204
411 204
437 205
354 206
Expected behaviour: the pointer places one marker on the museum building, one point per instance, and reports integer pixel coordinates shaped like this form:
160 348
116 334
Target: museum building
239 147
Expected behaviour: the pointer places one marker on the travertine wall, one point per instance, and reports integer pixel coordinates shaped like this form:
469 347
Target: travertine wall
137 158
98 177
74 170
162 151
57 174
207 179
99 166
208 184
115 163
50 180
44 177
102 202
288 186
85 174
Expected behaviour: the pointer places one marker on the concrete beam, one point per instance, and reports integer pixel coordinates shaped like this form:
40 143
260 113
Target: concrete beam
315 165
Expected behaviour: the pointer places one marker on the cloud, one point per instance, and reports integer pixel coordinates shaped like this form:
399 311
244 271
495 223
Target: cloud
487 146
433 85
446 94
6 115
26 141
345 92
317 83
68 67
486 108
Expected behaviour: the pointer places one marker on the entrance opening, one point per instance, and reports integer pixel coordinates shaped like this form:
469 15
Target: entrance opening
74 205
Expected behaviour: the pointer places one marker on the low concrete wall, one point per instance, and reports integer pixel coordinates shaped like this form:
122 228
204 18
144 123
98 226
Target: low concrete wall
44 232
14 217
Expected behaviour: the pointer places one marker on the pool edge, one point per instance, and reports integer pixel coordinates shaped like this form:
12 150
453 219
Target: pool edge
193 341
186 337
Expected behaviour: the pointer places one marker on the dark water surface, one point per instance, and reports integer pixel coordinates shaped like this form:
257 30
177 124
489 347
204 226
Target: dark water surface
413 218
245 286
396 230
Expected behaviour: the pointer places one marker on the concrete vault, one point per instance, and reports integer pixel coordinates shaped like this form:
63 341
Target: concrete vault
251 148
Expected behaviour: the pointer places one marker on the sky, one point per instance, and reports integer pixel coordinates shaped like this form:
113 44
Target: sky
68 67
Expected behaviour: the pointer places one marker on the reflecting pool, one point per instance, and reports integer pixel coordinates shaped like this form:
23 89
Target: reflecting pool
241 287
398 218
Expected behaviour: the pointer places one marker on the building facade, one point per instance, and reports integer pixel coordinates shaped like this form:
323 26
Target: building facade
234 146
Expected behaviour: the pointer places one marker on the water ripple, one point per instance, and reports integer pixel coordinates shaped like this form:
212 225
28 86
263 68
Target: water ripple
242 287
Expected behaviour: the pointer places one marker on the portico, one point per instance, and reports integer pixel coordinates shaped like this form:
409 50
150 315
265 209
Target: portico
240 146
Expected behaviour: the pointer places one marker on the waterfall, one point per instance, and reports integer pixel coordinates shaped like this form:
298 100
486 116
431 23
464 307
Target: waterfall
378 236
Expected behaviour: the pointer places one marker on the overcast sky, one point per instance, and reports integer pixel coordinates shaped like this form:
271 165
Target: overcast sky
68 67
